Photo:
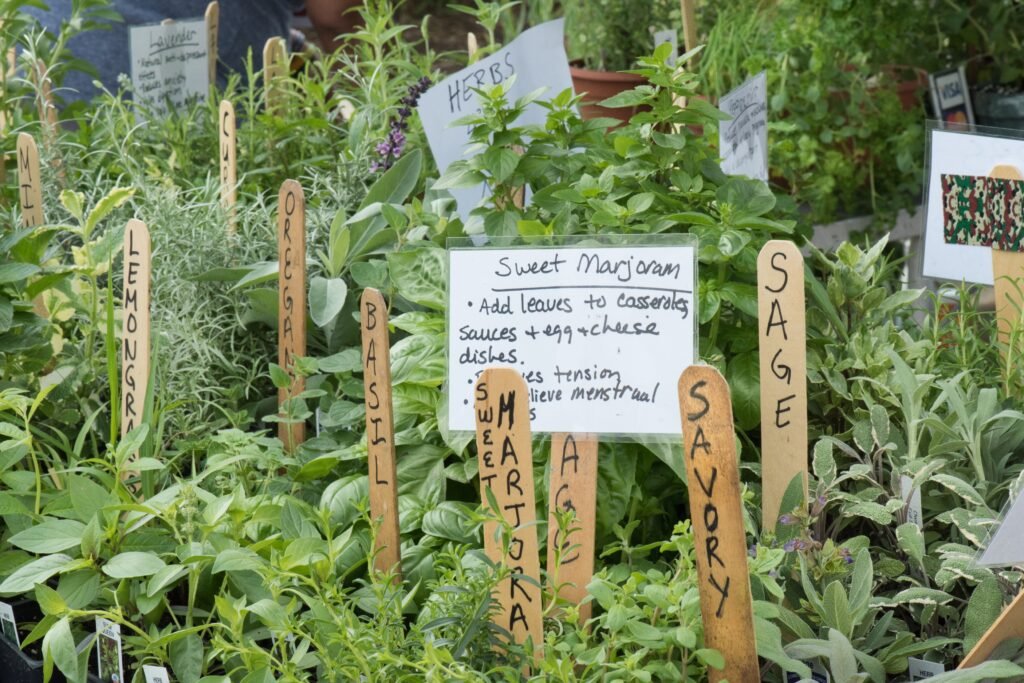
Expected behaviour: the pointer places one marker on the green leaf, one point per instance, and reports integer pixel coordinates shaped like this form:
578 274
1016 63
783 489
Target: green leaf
115 198
395 185
13 272
326 299
984 607
745 384
501 162
873 511
59 647
50 601
837 608
132 565
959 487
922 596
420 275
87 497
279 376
51 536
237 559
824 463
186 655
28 575
911 540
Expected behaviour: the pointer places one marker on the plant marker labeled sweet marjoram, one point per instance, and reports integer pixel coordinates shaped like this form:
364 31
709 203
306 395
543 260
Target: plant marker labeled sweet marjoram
380 431
291 330
712 470
782 344
505 459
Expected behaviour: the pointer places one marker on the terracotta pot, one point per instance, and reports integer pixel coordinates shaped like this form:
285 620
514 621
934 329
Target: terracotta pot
599 86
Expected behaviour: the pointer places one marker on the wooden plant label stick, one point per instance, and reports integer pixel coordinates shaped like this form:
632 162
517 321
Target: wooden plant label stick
212 17
273 72
380 430
1007 271
712 471
782 342
228 161
506 469
47 109
30 186
135 325
689 25
573 488
291 330
471 45
1009 624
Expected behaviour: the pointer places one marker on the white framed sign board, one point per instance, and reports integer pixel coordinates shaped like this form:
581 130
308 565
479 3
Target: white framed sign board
743 140
170 63
600 333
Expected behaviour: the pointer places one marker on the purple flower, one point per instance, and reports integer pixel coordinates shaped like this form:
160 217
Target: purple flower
786 519
790 545
846 555
752 550
394 144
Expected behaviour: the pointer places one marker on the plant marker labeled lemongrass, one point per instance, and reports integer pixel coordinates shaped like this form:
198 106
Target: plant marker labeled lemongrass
505 461
30 186
291 329
712 472
135 325
212 17
1007 271
782 344
228 158
380 431
573 488
274 70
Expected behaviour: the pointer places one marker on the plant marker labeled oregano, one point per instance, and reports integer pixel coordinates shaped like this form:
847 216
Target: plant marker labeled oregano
782 342
380 431
506 473
30 186
135 325
212 17
274 70
573 488
228 161
712 471
291 328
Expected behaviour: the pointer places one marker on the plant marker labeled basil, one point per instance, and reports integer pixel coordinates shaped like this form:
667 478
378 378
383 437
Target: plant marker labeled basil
228 160
291 329
505 461
782 345
274 69
573 488
380 431
709 447
30 184
212 17
135 326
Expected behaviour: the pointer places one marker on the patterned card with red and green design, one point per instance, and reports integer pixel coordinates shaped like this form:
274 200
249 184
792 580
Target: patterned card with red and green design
983 211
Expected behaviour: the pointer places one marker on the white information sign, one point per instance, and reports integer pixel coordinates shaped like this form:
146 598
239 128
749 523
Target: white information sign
170 62
1005 548
599 333
8 624
537 60
920 669
670 36
962 153
743 140
155 674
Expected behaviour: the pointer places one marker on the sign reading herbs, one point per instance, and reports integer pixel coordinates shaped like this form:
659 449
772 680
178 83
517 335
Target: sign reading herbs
594 330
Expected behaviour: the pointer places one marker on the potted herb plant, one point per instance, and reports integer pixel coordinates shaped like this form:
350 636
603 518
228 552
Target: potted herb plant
605 37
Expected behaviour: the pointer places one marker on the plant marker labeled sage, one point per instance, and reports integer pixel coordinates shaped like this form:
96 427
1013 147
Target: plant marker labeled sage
273 72
573 488
228 161
135 325
30 186
506 471
712 470
782 345
1007 271
212 17
380 431
291 328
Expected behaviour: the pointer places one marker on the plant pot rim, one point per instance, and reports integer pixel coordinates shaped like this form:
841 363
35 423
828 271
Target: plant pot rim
614 76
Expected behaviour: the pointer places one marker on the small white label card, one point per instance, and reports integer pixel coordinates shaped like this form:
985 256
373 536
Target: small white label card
109 666
8 624
155 674
671 36
537 60
1005 548
912 497
743 140
920 669
170 63
600 333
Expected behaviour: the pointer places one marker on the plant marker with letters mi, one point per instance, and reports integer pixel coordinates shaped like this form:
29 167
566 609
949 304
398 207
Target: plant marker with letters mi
30 186
380 431
291 331
782 342
712 473
505 458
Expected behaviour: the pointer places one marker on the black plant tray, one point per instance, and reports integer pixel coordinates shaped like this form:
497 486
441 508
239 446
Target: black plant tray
17 666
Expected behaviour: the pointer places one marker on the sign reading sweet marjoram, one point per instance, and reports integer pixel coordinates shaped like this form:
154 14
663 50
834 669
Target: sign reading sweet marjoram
712 470
505 460
291 333
593 330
